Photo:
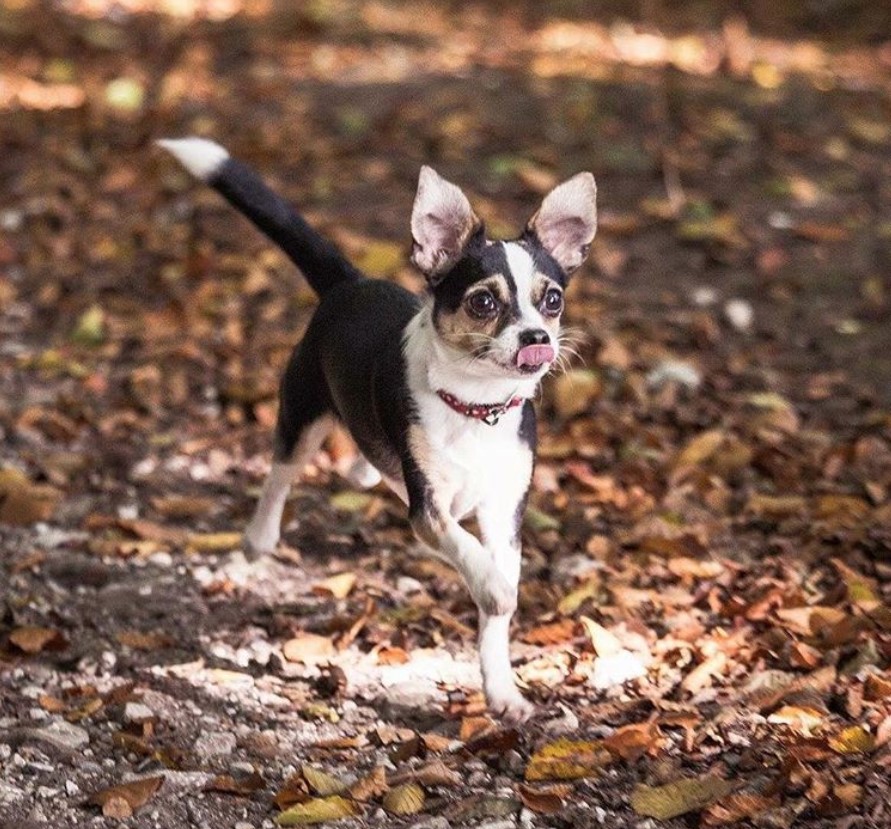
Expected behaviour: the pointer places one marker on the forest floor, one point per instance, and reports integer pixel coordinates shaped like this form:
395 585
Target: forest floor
705 612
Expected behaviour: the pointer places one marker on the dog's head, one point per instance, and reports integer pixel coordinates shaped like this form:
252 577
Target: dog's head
501 302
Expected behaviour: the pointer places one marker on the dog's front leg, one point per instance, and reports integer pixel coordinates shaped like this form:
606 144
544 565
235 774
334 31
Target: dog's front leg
494 594
500 531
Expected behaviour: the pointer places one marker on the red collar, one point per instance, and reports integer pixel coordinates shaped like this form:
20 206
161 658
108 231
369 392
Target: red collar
487 412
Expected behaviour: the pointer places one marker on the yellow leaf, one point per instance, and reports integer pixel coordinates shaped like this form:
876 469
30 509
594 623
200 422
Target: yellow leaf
213 542
679 797
700 448
573 600
321 782
861 590
853 740
407 799
318 810
351 501
339 586
567 759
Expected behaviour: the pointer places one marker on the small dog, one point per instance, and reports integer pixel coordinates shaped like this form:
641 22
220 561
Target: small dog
436 391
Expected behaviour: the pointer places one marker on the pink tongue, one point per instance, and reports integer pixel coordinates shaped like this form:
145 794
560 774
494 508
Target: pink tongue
535 355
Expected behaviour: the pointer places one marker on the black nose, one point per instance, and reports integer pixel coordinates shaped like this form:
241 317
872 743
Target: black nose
534 336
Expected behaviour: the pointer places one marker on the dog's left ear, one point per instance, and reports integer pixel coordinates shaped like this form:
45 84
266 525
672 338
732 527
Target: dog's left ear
442 221
566 222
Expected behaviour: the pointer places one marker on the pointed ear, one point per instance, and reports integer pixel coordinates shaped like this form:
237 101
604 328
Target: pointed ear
442 221
566 222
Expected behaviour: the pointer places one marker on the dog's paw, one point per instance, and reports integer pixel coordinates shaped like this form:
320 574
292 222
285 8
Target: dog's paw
512 709
257 543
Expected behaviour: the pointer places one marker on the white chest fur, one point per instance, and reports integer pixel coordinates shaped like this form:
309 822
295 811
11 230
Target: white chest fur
474 463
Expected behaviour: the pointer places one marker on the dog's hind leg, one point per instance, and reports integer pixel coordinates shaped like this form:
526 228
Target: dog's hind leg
304 421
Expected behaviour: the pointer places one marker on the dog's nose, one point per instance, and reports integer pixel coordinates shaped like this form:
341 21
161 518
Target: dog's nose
534 336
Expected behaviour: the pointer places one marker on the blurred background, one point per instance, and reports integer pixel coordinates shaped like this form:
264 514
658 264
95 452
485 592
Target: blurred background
711 503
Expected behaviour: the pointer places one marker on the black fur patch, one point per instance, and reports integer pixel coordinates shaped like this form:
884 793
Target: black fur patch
543 261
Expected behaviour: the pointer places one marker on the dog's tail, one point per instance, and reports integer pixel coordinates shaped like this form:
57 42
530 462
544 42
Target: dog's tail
323 265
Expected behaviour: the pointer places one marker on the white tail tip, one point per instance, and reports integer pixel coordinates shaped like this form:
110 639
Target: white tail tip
201 157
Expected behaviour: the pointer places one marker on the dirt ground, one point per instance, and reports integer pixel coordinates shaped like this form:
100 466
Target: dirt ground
705 614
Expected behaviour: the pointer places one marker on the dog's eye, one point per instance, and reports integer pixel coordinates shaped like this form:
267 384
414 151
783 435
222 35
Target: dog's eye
553 302
482 304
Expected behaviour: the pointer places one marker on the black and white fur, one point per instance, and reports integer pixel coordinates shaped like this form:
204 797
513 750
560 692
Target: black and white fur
375 358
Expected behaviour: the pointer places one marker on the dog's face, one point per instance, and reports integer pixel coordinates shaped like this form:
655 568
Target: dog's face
500 303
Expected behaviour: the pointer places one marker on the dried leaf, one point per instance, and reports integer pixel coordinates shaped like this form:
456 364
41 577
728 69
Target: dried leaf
474 726
678 798
407 799
567 759
546 800
573 600
338 587
321 782
631 742
737 806
351 501
33 639
140 641
317 810
861 590
555 633
700 448
308 648
373 785
242 786
876 688
853 740
117 808
433 773
213 542
136 793
801 719
23 503
604 642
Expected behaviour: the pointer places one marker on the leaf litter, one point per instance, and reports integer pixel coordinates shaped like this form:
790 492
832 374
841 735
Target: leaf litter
706 578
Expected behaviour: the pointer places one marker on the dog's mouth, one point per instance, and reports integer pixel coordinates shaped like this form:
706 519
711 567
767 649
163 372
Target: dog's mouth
532 358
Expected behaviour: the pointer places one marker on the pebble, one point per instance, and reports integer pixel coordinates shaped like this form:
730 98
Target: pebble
137 712
740 314
676 371
215 744
703 296
504 823
71 788
60 735
10 793
407 585
437 822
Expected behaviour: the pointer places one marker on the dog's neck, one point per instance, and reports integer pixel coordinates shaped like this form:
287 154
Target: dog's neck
435 366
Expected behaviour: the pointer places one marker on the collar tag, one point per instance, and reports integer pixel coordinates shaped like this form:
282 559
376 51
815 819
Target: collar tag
488 413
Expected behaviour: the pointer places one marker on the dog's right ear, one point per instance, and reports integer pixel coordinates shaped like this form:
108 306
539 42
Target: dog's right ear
442 221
